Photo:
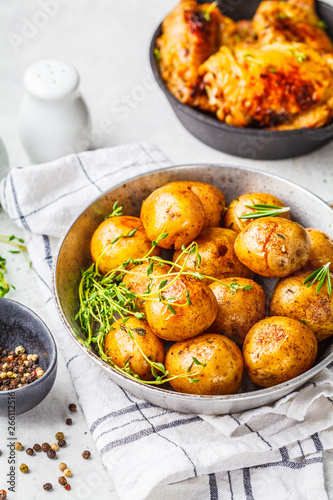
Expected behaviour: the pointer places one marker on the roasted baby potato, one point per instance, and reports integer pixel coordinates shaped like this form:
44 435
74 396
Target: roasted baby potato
122 349
273 247
278 349
321 250
172 210
217 255
129 245
137 280
241 304
191 310
223 362
212 199
238 207
293 299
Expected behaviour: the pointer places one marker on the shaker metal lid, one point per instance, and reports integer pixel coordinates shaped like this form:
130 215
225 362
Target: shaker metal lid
51 79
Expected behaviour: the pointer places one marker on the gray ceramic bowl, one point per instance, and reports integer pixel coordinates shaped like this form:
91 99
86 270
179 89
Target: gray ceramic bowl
74 254
21 326
256 144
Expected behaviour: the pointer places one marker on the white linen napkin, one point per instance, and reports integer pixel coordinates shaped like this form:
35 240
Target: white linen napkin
271 452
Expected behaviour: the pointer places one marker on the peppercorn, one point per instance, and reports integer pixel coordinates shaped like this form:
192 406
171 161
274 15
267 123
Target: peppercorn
59 436
54 447
24 468
67 487
30 451
67 473
37 447
62 466
62 443
18 446
3 494
51 453
86 454
72 407
69 421
46 447
62 480
19 350
47 486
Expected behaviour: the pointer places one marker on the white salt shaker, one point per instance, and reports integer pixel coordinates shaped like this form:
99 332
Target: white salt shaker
54 120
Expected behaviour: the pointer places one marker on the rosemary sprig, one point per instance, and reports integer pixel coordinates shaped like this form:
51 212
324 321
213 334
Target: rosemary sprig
320 276
207 13
263 210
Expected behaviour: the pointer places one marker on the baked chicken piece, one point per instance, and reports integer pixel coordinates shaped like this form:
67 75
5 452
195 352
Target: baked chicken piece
279 86
190 35
291 21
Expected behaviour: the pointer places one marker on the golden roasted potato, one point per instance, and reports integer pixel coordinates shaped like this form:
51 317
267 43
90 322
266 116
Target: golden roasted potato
109 255
137 280
224 365
295 300
239 307
122 349
273 247
191 311
278 349
176 211
218 258
321 250
237 208
212 199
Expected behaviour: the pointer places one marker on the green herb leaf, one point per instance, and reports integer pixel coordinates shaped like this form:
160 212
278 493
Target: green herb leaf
320 275
157 54
169 306
188 298
162 284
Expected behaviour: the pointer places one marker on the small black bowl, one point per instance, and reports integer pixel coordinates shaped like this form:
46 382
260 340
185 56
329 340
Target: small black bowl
21 326
256 144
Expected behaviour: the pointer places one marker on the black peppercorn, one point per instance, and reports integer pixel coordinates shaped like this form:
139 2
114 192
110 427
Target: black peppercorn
69 421
47 486
37 447
46 447
72 407
29 451
51 453
86 454
59 436
62 443
62 480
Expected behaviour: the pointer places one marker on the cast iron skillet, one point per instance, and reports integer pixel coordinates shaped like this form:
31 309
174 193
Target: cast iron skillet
246 142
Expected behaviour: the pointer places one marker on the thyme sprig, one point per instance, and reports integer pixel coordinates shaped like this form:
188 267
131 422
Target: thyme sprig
4 286
263 210
319 276
117 211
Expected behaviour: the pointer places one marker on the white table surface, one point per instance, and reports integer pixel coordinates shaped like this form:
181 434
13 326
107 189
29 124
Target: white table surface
108 43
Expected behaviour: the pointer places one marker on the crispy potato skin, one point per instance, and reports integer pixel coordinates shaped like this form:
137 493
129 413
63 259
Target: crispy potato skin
174 210
224 365
237 208
138 282
135 247
122 348
278 349
212 199
293 299
218 258
273 247
190 319
238 310
321 250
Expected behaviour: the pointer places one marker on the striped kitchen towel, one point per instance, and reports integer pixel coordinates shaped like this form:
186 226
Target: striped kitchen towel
272 452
